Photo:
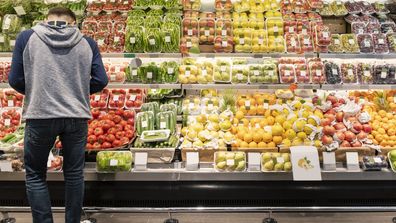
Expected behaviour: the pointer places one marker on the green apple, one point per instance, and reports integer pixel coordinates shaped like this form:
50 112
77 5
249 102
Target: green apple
394 164
239 156
286 157
220 157
288 166
269 166
241 166
278 167
221 165
393 155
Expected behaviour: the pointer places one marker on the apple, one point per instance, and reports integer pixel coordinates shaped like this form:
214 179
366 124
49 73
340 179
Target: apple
350 136
339 136
327 140
340 116
329 130
339 126
393 155
352 119
362 135
367 128
330 116
331 111
345 144
357 127
356 144
332 99
325 122
341 100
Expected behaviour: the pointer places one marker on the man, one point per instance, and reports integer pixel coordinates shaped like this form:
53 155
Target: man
57 68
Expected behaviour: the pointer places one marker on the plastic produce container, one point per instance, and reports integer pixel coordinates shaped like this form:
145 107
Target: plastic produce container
366 43
230 161
365 73
349 73
380 44
350 43
114 161
292 43
317 73
99 100
222 72
240 74
302 74
287 73
333 73
306 43
336 44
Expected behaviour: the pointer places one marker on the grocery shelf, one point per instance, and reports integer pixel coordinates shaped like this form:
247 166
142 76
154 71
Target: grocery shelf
356 56
358 87
247 86
254 55
148 86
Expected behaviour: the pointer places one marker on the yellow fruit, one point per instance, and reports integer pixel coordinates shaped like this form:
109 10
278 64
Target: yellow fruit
280 119
271 145
277 139
252 145
382 113
299 125
277 130
257 137
239 115
245 122
241 134
317 143
286 143
318 113
248 137
263 123
287 125
267 137
270 120
308 130
290 134
244 145
302 135
391 132
381 131
261 145
297 142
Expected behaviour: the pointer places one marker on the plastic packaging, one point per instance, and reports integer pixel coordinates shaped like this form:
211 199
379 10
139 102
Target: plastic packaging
243 40
317 73
152 40
349 73
222 73
292 43
191 105
350 43
287 73
353 7
223 44
223 27
323 37
374 163
134 99
190 27
99 100
276 44
384 74
338 8
192 5
155 135
333 73
358 27
373 28
206 31
170 38
391 38
240 74
365 73
221 5
300 6
367 8
366 44
188 74
380 44
274 26
302 74
388 27
144 122
134 39
189 45
11 23
230 161
270 71
326 10
380 8
336 44
259 41
306 43
114 161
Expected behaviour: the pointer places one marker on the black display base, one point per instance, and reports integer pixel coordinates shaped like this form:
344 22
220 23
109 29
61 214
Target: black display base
269 220
8 220
171 220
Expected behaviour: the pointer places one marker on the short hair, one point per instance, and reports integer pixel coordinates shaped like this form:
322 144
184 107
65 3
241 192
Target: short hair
62 11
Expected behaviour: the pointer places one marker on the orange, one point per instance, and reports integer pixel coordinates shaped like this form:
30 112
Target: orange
252 110
382 113
391 131
271 145
257 137
277 139
261 145
252 145
270 120
241 134
239 115
244 145
381 131
248 138
260 110
379 138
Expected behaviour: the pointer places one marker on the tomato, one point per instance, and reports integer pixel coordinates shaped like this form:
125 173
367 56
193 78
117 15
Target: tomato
95 113
106 125
98 131
102 104
90 131
131 121
129 134
124 140
19 97
119 127
97 146
110 138
101 139
129 104
91 139
112 112
129 114
89 146
15 122
112 130
120 134
106 145
123 123
111 123
116 143
112 104
119 112
94 124
128 127
117 119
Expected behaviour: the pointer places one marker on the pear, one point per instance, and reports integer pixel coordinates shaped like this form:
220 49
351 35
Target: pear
288 166
221 165
286 157
241 166
269 166
239 156
278 167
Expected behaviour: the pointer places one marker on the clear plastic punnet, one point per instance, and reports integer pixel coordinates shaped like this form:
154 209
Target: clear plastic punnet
276 44
243 40
270 71
365 73
287 73
223 44
317 72
206 31
223 27
350 43
336 44
99 100
380 43
358 27
292 43
230 161
302 73
349 73
391 38
240 74
366 43
222 71
190 27
333 73
114 161
275 26
306 43
259 41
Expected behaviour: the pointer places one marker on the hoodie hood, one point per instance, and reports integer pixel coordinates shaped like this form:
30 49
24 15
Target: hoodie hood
57 37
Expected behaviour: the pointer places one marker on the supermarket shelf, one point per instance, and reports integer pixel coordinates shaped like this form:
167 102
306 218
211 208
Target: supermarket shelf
148 86
248 86
208 174
254 55
356 56
357 87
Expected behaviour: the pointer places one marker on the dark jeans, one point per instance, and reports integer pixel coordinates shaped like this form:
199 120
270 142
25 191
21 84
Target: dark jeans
40 136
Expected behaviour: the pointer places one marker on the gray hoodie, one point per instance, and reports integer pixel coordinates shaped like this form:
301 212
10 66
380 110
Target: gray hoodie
57 69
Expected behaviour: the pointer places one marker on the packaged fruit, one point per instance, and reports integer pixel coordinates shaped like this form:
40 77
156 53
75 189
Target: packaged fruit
315 4
275 162
134 39
384 74
350 43
292 43
210 104
102 38
99 100
270 72
240 74
300 6
116 73
259 41
365 73
302 74
206 31
349 73
274 26
241 6
380 43
117 98
188 74
256 74
286 6
392 158
335 46
145 122
290 25
276 44
391 38
116 43
223 27
333 73
205 72
192 5
192 105
304 27
323 37
338 8
287 73
221 5
380 8
306 43
326 10
223 44
374 163
230 161
134 99
256 23
222 72
190 14
223 15
190 27
114 161
353 7
243 40
90 26
358 27
373 28
366 44
317 72
189 45
351 18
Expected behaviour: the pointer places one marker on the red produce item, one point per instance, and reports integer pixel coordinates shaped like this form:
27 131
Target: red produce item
117 98
302 74
287 73
317 73
99 100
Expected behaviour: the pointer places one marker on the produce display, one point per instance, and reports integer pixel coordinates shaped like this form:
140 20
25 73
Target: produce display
275 162
230 161
111 161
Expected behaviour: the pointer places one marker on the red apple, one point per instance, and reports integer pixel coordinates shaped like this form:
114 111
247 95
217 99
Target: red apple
327 140
357 127
341 100
339 116
332 99
352 119
325 122
331 111
362 135
367 128
350 136
330 116
356 144
329 130
345 144
339 136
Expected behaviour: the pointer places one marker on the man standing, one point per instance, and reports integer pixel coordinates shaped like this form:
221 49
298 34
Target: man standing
56 68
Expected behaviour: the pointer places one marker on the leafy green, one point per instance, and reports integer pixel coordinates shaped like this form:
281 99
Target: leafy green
134 40
152 41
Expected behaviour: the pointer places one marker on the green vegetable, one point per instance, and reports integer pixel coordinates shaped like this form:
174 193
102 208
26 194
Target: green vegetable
171 38
154 22
155 12
155 135
11 24
170 71
152 41
110 161
134 42
135 21
150 73
136 13
144 122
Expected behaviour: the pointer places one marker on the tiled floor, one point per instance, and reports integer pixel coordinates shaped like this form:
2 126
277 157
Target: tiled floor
233 218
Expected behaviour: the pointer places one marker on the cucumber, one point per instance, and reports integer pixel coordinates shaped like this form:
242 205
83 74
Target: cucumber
145 122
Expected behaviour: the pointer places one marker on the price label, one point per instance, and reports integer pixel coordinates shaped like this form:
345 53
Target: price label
100 42
150 75
187 73
134 72
336 42
287 73
334 71
132 40
381 41
113 162
189 32
204 72
5 166
223 68
254 161
291 29
260 41
256 72
224 32
276 29
257 125
7 122
377 160
132 97
20 10
303 74
384 74
112 77
97 98
192 161
351 41
230 162
163 125
167 39
271 73
242 41
116 39
304 31
366 73
280 159
116 97
306 41
367 43
144 124
318 73
207 33
141 161
339 3
266 106
152 41
350 72
12 43
189 44
325 34
293 43
247 103
2 39
224 43
360 31
10 103
210 106
191 105
239 76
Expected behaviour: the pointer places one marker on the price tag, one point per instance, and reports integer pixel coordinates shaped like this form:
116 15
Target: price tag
7 23
306 41
257 125
141 161
204 72
191 105
132 97
352 161
230 162
293 43
224 32
334 71
223 68
303 73
167 39
189 32
132 40
329 161
2 39
116 39
260 41
12 43
280 159
171 70
384 74
350 72
287 73
117 69
339 3
336 42
254 161
224 43
377 160
271 73
305 163
366 73
207 33
276 29
325 34
10 103
150 75
112 77
20 10
242 41
116 97
7 122
291 29
162 125
113 162
318 73
351 41
187 73
210 106
247 103
239 76
192 161
256 72
266 106
134 72
144 124
189 44
97 98
5 166
100 42
381 41
366 43
360 31
152 41
304 31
